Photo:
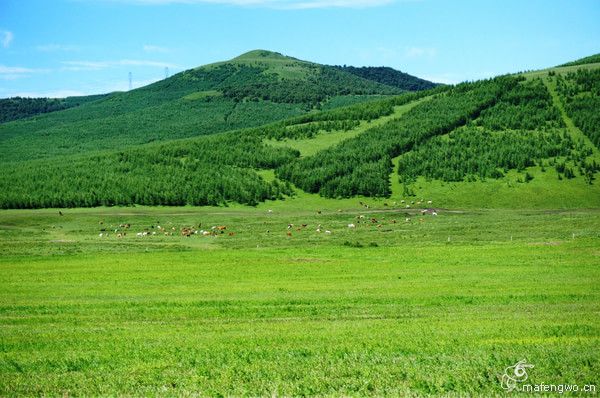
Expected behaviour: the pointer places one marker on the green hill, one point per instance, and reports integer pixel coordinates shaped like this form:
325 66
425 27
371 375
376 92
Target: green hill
251 90
511 141
390 77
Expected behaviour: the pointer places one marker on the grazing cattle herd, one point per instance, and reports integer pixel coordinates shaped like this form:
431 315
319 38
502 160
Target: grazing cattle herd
358 221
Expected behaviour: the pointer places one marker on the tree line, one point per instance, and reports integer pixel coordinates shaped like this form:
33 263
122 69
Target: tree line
206 170
340 119
362 165
468 131
16 108
528 106
475 153
580 92
214 170
390 77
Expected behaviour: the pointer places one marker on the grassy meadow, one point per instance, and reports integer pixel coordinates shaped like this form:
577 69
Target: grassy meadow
410 304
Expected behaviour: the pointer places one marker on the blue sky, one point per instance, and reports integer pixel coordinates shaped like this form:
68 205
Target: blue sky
76 47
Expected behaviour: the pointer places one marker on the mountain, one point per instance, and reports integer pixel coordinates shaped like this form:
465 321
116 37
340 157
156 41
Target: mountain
253 89
526 140
389 76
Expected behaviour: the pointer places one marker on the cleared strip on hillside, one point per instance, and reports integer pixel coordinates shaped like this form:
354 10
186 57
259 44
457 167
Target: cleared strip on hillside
521 130
580 93
324 138
361 166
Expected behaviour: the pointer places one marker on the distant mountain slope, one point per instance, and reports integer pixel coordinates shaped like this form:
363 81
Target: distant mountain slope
592 59
390 77
206 170
502 135
271 76
16 108
256 88
512 141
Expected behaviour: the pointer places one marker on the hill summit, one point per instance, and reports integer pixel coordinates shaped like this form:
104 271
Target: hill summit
261 54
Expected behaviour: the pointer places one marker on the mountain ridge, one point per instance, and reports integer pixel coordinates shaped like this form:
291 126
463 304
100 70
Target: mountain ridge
16 108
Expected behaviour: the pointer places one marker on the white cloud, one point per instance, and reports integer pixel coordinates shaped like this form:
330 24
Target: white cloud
155 49
136 62
84 65
280 4
98 65
335 4
15 69
98 88
56 47
11 76
455 78
17 72
6 37
418 52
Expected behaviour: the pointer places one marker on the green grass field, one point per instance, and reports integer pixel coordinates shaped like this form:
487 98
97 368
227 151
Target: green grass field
433 305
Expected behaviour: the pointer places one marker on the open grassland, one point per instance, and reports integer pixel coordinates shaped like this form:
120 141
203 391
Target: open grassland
543 191
408 304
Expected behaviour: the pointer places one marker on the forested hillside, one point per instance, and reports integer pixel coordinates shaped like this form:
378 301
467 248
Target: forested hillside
361 166
521 130
251 90
390 77
207 170
580 91
20 108
473 132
